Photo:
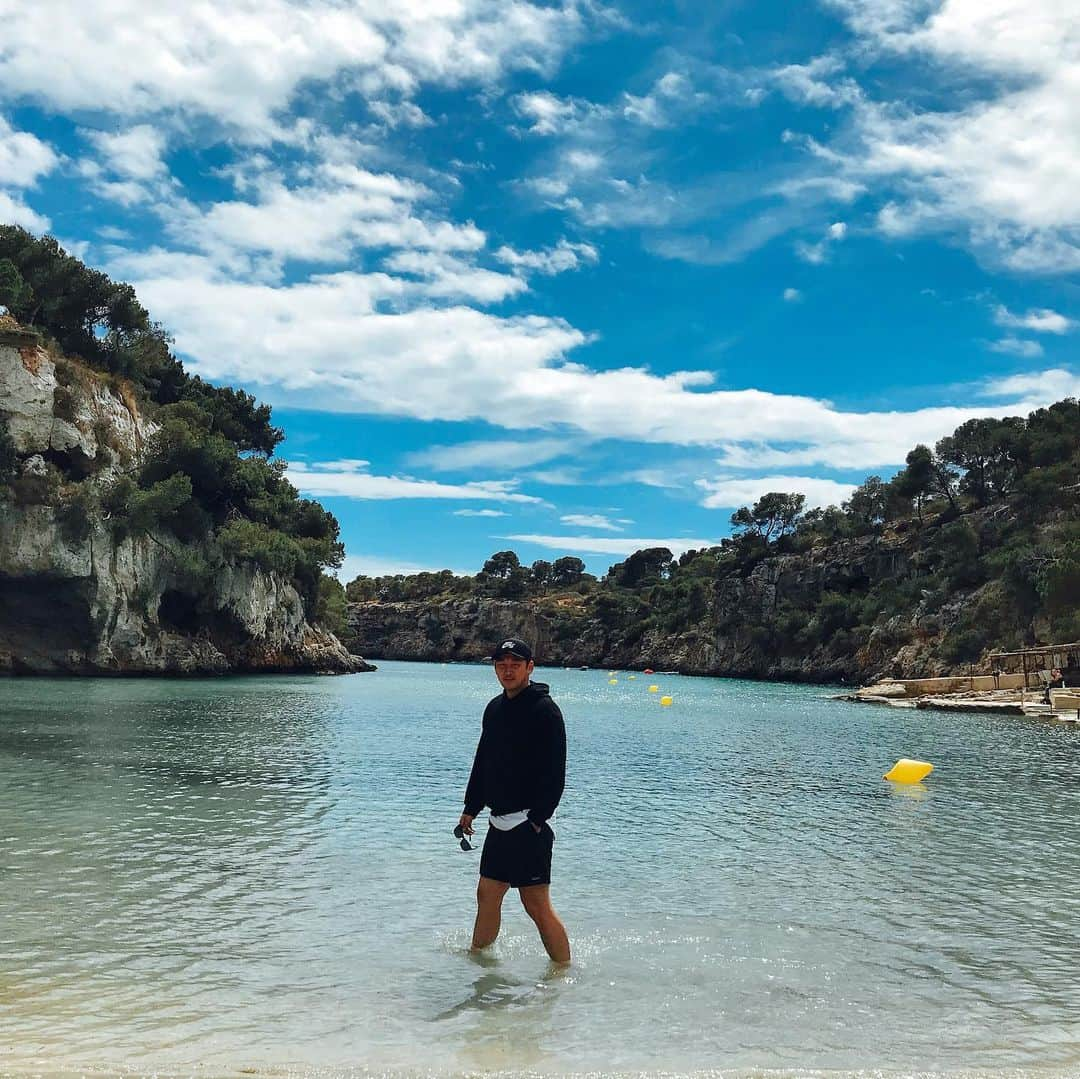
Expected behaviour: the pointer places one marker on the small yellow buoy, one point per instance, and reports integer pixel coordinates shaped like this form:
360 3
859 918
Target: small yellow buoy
908 771
632 677
613 681
665 701
654 689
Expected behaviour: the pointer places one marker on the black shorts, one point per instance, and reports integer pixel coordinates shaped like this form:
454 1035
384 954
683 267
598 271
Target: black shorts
520 857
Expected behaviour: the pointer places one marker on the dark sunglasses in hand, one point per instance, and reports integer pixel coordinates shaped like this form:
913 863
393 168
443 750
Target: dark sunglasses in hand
459 833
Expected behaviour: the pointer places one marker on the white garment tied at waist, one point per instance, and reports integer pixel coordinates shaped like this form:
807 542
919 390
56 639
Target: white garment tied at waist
505 821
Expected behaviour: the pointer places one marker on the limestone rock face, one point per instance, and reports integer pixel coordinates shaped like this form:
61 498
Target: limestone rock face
727 640
71 417
76 600
464 629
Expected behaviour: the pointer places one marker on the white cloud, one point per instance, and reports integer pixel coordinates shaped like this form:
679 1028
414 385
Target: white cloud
347 207
242 62
731 492
819 252
1002 166
130 166
328 343
1040 320
814 83
351 482
400 114
1015 346
24 158
611 544
1033 391
494 455
792 295
672 96
113 233
549 114
343 464
451 278
558 477
590 520
373 565
13 211
480 513
136 153
554 260
587 161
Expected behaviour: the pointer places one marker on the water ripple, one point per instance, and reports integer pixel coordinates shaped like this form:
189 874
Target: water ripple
258 874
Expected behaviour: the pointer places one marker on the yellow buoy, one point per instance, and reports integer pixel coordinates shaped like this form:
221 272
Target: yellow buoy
665 701
613 681
632 677
654 689
908 771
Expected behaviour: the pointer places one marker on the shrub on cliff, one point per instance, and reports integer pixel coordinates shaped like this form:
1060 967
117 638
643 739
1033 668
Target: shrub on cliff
102 321
269 549
331 610
206 476
9 460
14 291
78 510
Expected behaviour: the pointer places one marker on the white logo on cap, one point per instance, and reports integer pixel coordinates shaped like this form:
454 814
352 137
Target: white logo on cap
508 644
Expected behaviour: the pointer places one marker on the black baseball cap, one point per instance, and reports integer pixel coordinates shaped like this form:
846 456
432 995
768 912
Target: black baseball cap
515 646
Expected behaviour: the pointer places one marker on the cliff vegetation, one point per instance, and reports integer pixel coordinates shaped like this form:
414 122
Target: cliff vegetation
106 439
972 547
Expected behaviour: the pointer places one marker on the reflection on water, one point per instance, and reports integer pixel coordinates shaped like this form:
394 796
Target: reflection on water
259 874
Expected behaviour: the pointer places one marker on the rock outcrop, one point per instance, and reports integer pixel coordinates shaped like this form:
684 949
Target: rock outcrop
76 600
728 639
461 630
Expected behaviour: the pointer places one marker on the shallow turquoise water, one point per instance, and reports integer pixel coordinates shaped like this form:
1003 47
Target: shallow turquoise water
201 877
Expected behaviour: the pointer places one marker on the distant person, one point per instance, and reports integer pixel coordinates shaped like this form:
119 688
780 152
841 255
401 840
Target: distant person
1056 682
519 772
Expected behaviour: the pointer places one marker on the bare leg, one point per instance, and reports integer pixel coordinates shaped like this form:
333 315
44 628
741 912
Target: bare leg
489 897
536 899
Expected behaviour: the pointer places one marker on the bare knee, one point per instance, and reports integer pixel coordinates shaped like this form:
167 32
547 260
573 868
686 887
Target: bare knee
536 901
490 893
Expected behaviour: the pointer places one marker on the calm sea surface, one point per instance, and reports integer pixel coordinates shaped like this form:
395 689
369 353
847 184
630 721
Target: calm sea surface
233 876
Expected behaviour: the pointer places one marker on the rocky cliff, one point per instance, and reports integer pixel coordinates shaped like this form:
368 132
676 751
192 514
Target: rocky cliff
728 637
74 598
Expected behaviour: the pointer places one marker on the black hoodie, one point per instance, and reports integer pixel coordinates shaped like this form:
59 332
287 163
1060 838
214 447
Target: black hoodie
521 759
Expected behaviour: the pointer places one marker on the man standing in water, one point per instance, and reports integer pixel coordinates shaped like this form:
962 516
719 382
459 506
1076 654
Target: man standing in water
519 772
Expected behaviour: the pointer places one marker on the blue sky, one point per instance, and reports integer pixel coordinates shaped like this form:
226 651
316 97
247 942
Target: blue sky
572 278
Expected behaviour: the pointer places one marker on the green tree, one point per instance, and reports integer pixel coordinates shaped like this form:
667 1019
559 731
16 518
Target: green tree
14 291
503 575
869 504
772 516
918 479
1057 576
9 457
542 574
643 567
331 611
362 589
270 550
567 571
971 448
501 565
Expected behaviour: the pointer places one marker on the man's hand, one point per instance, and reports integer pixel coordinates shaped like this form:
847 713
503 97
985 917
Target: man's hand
465 824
